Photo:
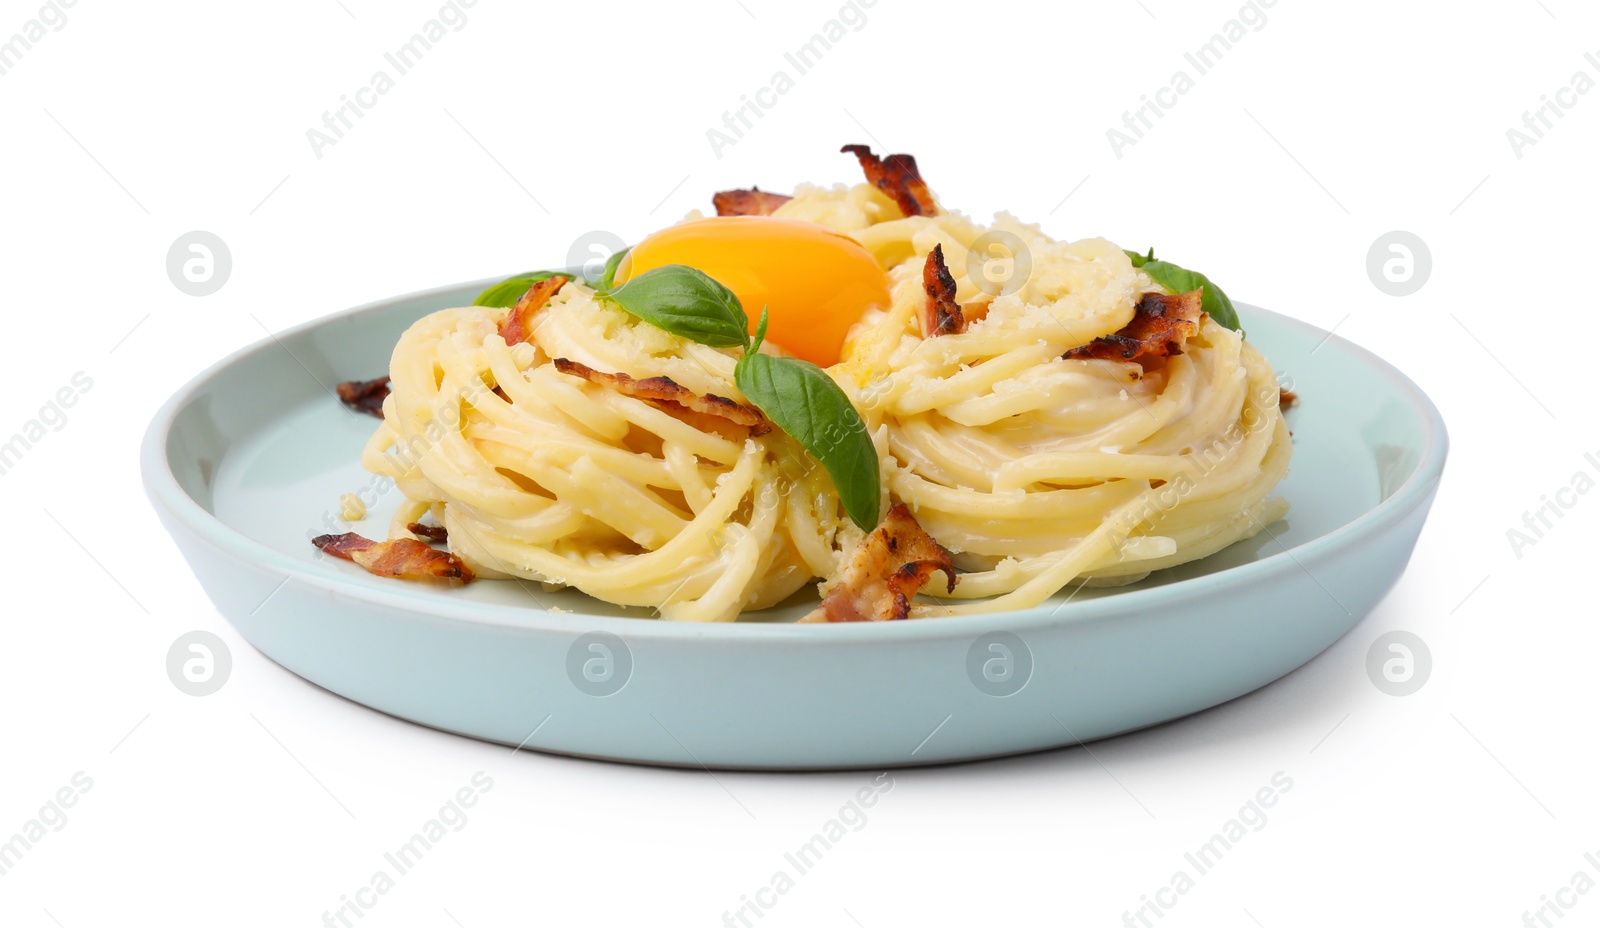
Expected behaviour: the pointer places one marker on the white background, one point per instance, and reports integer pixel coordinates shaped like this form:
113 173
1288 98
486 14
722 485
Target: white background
1332 124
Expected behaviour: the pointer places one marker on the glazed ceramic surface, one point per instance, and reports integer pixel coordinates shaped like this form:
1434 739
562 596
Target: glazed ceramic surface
248 462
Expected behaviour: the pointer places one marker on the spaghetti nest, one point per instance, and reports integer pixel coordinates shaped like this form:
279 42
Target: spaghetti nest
1035 469
538 472
1048 412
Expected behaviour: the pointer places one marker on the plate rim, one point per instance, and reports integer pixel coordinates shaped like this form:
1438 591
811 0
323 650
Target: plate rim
162 487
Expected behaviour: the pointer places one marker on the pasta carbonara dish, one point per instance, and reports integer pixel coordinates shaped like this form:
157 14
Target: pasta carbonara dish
851 385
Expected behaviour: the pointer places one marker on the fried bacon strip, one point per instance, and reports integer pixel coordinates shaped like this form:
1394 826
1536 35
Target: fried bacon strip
517 326
668 394
365 395
884 572
405 558
430 532
896 176
941 315
750 202
1160 325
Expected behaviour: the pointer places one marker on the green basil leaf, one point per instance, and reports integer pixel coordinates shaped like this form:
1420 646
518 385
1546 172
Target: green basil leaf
1138 259
687 303
761 334
609 275
1182 280
507 292
806 403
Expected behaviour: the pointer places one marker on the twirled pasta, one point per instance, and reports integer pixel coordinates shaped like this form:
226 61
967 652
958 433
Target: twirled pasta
541 475
1033 470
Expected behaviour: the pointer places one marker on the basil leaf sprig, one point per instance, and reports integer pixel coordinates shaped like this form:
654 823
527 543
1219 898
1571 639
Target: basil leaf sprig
679 299
798 396
685 302
506 293
609 275
1181 280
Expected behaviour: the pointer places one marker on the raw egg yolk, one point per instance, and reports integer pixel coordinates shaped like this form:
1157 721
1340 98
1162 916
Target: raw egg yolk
814 282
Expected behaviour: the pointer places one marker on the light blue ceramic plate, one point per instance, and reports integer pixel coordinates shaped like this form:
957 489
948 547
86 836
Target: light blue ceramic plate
248 462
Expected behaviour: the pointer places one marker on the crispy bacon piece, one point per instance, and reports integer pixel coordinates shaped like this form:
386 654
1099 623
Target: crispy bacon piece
405 558
1286 398
365 395
518 323
666 393
750 202
1160 325
941 315
884 572
896 176
431 532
